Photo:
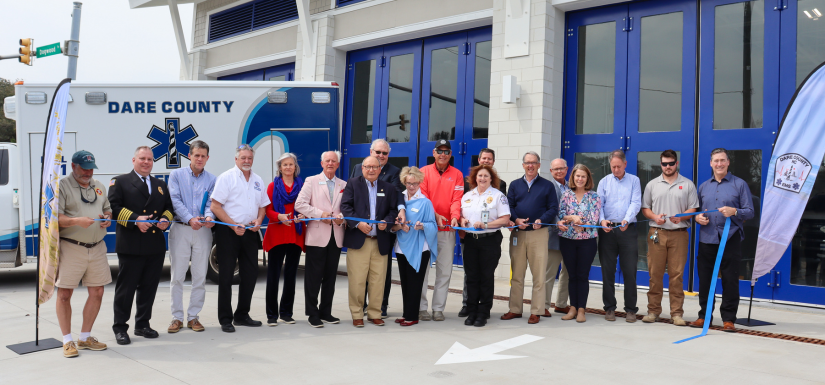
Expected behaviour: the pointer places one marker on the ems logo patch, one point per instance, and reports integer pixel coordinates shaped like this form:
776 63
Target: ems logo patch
791 171
99 191
171 141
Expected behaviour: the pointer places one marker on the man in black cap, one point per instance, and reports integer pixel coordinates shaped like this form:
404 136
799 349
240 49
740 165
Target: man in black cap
141 247
82 252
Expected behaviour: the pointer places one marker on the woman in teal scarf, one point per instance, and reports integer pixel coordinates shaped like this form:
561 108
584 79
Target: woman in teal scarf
412 247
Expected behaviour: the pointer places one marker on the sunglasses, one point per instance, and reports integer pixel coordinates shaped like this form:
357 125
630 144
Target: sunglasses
381 152
443 151
668 164
82 198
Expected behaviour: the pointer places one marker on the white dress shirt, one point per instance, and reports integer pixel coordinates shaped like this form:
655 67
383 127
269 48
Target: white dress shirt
241 199
473 203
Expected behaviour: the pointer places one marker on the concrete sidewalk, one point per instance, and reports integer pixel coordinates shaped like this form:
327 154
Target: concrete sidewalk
595 351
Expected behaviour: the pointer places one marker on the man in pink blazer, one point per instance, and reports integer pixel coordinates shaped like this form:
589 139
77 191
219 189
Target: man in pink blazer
321 198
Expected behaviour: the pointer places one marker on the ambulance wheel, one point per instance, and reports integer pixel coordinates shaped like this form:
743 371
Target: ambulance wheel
212 270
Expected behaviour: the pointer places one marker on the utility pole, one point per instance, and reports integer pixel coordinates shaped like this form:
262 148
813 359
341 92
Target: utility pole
73 44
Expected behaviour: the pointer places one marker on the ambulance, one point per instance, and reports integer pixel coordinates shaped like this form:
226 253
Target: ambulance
112 120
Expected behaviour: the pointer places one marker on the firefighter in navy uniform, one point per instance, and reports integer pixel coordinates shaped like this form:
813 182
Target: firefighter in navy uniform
141 247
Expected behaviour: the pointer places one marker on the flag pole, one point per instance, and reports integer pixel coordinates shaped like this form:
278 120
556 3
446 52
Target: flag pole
748 321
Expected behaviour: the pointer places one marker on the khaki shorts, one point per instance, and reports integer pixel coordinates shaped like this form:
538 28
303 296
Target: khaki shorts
78 262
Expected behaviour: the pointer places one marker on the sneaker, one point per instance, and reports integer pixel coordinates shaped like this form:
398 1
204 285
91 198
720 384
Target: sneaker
287 319
69 349
678 320
650 318
272 321
91 343
438 316
175 326
330 320
610 315
424 315
315 322
630 317
195 325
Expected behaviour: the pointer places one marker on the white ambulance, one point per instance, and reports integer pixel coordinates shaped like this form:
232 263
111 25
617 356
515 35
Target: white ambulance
111 120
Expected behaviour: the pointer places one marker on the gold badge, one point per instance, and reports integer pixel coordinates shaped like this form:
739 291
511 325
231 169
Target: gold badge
160 190
489 200
468 201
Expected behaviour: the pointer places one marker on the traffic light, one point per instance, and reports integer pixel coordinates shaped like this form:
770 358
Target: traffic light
26 51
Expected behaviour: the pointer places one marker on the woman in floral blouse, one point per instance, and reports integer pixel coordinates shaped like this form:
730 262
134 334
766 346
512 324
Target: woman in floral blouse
579 206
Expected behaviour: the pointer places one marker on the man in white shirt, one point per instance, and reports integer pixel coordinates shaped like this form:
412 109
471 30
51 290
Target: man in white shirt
239 198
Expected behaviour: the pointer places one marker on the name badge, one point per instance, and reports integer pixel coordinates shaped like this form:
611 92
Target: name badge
414 210
322 183
485 216
380 194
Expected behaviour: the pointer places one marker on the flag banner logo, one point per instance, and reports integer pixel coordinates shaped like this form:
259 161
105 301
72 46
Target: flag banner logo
791 172
49 194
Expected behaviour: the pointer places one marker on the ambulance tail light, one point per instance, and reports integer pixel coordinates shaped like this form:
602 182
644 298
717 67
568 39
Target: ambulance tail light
320 97
276 97
95 98
335 84
10 107
36 97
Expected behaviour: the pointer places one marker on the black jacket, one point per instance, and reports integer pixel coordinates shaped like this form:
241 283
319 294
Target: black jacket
356 203
389 173
129 200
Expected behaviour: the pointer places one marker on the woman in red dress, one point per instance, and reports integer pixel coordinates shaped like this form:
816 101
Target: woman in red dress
284 238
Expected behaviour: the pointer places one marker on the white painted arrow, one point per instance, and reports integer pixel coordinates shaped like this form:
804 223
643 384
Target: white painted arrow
459 353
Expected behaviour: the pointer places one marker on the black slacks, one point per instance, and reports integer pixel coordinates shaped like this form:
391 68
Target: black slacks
624 246
137 274
243 251
319 276
578 255
411 283
291 254
480 261
728 269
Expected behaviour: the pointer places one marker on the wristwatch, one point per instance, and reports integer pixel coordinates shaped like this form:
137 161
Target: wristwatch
485 226
735 211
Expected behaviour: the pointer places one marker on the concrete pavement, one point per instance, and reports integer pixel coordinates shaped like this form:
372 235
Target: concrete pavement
595 351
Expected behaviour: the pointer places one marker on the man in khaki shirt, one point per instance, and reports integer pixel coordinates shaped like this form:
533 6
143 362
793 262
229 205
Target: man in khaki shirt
82 252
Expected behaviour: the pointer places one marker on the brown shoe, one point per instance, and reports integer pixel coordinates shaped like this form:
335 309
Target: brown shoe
610 315
509 316
195 325
546 313
534 319
376 322
630 317
70 349
699 323
359 323
728 327
175 326
562 310
91 343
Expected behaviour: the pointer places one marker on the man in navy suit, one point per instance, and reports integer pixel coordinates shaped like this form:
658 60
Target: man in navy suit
380 149
368 245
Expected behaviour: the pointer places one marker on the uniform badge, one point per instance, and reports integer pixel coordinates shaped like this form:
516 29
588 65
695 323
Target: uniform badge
468 201
99 191
489 200
160 190
111 183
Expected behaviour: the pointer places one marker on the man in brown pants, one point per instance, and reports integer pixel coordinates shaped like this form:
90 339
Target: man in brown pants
667 242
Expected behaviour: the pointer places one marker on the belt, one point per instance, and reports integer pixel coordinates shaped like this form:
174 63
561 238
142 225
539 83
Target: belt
483 235
679 229
86 245
614 224
371 236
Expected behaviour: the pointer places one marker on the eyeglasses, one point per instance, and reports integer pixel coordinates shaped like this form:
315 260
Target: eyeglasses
443 151
668 164
530 163
381 152
558 169
412 184
83 199
371 167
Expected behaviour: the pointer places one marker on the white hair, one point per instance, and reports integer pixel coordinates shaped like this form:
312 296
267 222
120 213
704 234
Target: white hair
380 141
337 154
563 161
244 147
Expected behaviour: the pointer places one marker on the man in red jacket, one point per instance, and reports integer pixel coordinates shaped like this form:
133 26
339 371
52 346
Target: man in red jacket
444 186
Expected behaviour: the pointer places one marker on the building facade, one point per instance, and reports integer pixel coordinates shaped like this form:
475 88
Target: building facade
565 78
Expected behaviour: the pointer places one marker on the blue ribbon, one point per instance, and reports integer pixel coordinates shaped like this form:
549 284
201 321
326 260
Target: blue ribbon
712 291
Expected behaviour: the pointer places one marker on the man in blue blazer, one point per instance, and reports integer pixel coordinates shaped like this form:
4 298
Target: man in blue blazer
368 245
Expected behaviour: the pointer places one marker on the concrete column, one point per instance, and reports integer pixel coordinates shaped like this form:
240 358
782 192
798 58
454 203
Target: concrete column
533 123
330 63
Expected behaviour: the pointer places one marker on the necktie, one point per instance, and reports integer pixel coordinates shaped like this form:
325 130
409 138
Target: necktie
330 186
146 183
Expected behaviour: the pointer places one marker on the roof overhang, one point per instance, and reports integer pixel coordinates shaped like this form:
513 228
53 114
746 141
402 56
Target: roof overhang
155 3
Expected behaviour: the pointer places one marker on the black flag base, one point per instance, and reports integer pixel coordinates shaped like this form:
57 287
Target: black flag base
31 346
752 322
749 321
